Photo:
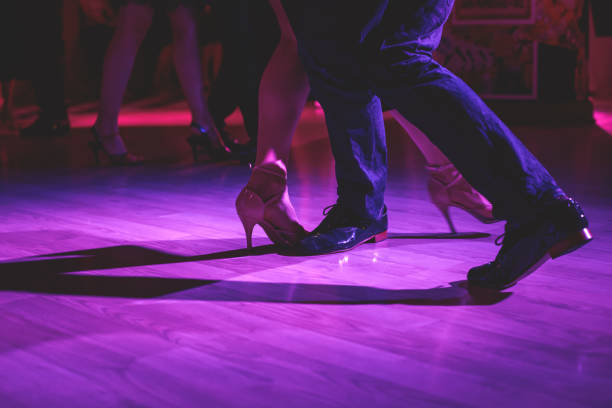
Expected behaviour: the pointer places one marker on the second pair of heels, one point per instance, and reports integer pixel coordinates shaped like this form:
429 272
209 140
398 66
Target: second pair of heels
118 159
265 201
202 138
447 188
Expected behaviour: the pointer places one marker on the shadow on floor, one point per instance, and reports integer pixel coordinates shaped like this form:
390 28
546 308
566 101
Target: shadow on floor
51 274
440 235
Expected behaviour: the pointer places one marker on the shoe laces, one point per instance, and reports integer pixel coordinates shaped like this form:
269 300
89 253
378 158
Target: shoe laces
499 241
335 216
329 208
505 238
497 262
512 233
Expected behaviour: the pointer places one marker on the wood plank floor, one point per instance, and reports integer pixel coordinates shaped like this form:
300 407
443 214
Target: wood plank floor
132 287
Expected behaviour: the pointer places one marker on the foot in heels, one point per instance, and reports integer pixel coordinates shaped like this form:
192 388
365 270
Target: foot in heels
265 201
209 140
113 147
447 188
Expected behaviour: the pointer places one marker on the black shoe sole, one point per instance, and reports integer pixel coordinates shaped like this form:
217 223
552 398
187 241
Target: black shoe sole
571 243
563 247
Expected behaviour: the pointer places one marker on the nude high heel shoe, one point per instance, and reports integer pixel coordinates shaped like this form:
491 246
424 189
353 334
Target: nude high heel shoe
447 188
265 201
121 158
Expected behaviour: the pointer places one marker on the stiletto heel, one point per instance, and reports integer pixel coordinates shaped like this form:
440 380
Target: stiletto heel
446 213
248 225
265 201
201 138
447 188
117 159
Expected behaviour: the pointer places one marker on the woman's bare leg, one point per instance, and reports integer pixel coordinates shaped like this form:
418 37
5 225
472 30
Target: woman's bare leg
188 68
446 185
282 94
133 23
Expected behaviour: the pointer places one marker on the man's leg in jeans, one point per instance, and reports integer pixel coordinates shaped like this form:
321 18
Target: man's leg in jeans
543 222
477 142
357 136
339 81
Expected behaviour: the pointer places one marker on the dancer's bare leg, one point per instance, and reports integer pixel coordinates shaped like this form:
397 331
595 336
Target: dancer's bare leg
132 26
446 185
188 68
282 94
133 23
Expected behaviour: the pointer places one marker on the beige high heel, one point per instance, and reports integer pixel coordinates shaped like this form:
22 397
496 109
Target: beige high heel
265 201
447 188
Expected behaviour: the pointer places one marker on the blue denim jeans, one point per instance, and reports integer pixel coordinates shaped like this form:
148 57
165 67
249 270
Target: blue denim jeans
357 55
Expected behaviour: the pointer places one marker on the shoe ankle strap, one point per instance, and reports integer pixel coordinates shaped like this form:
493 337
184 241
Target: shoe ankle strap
438 168
437 172
279 168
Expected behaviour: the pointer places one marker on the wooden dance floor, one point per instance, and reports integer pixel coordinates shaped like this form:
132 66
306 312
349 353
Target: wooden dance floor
133 287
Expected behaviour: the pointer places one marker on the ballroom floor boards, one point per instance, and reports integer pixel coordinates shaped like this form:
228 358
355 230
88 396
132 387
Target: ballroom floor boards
133 287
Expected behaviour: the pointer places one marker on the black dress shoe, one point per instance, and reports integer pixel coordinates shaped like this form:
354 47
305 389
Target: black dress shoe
560 229
339 231
44 127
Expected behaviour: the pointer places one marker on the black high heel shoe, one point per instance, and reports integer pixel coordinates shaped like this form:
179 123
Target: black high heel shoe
201 138
120 159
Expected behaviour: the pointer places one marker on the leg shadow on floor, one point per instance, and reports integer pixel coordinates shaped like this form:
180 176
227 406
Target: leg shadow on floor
51 274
